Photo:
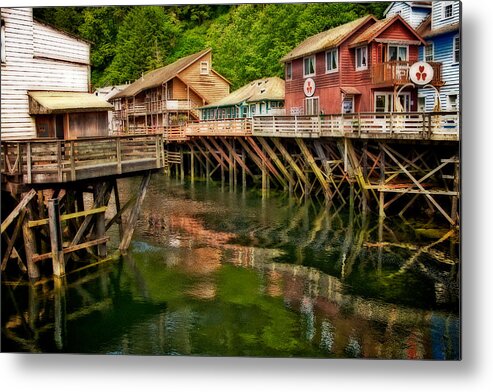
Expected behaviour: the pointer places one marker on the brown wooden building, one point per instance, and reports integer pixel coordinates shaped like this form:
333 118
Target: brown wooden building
169 96
45 82
354 67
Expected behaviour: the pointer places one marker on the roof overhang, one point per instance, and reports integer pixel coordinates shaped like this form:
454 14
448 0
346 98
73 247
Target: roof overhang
53 102
350 91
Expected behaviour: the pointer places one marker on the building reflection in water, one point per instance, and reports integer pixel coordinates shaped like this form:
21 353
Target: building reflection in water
151 310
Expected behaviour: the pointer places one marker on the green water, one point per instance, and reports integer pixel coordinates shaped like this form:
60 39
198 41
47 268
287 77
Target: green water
219 273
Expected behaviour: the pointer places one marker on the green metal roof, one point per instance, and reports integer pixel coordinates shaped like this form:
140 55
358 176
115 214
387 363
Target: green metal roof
48 102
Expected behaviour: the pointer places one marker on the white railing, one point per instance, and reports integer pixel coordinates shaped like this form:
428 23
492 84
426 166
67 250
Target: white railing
225 127
439 125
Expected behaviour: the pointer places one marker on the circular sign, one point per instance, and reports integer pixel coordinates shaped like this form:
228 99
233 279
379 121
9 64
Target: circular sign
309 87
421 73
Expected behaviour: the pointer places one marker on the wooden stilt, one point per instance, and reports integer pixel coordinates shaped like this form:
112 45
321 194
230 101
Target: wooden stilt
100 229
134 214
192 164
11 241
57 255
30 248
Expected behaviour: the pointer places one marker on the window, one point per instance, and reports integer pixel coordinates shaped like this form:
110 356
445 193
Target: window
348 104
429 52
456 49
447 10
421 104
331 63
452 102
204 68
253 109
311 106
361 58
3 55
309 66
289 71
397 53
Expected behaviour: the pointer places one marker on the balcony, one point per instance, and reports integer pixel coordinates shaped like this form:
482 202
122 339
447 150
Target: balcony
393 73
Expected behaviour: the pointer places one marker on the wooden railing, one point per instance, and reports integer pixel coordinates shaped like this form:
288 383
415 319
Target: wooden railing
397 73
168 133
57 161
225 127
411 125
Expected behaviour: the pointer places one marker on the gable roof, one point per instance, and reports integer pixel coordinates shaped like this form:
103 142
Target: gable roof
266 89
327 39
161 75
425 30
420 4
379 27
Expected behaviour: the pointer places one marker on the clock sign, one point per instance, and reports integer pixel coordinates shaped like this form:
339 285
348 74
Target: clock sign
309 87
421 73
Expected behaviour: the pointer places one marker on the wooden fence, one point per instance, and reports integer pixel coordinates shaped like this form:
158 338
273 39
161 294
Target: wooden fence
409 125
54 161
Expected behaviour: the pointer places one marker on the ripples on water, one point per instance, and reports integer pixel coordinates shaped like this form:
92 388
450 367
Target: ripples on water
218 273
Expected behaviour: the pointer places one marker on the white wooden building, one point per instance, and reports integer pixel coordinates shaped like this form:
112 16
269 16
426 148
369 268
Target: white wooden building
36 57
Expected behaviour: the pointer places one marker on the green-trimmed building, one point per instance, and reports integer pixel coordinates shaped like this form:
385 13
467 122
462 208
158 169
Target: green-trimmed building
258 98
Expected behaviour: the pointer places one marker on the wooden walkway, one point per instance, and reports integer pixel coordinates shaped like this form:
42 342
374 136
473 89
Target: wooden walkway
406 126
39 161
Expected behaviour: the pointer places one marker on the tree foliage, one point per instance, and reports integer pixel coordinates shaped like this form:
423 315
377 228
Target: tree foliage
248 40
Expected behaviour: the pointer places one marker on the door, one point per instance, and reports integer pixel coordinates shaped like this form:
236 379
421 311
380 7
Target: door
312 107
59 128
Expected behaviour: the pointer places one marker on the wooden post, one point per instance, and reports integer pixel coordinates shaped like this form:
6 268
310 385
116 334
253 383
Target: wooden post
455 199
192 164
57 256
134 214
243 170
100 224
182 166
30 247
118 207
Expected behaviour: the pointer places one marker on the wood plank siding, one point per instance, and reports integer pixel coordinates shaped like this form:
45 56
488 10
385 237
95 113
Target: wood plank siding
414 14
438 19
38 57
211 86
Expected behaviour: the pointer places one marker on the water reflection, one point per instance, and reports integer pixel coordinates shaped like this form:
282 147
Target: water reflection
219 273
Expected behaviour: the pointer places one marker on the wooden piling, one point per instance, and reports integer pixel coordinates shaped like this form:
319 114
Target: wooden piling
134 214
57 256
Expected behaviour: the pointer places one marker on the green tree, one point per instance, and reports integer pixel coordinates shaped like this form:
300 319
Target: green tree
144 42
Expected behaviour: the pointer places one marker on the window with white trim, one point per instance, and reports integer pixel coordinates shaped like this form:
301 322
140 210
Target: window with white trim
204 68
3 54
429 52
397 53
331 61
361 54
452 102
312 106
456 49
447 10
289 71
309 66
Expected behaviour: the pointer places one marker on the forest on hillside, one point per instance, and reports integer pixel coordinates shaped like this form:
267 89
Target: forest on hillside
247 40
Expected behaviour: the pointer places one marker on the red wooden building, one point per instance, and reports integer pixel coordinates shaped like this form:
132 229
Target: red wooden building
355 67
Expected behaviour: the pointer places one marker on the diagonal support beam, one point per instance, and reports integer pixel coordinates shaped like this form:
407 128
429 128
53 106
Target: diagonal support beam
266 161
301 175
311 161
236 156
276 160
420 187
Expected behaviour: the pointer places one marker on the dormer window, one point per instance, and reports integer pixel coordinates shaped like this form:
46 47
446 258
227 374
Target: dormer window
309 66
361 54
204 68
447 11
289 71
